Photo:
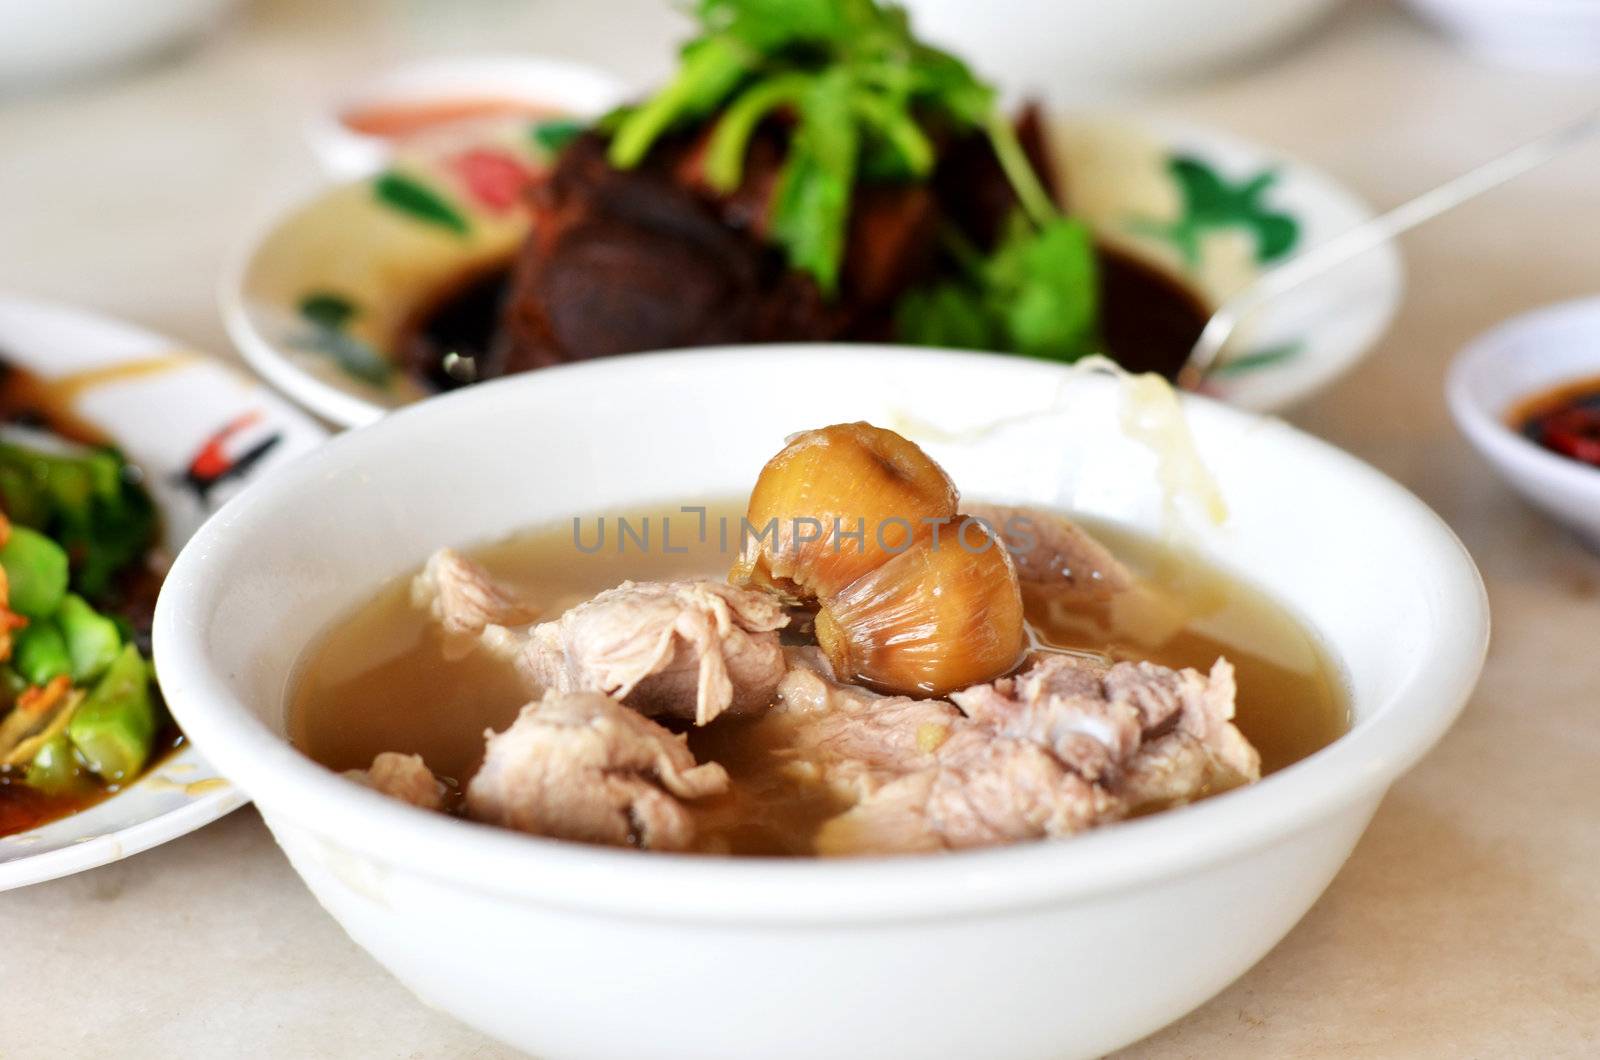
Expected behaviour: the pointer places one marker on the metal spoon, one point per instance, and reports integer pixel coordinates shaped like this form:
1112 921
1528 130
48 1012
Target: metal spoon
1316 260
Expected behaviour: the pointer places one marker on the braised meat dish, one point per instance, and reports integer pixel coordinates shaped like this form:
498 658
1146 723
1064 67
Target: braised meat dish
812 172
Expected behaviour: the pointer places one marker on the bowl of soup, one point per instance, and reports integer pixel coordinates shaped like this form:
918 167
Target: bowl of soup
914 798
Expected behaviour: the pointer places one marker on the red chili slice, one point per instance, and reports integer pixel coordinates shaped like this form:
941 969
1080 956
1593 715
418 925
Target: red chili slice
1574 432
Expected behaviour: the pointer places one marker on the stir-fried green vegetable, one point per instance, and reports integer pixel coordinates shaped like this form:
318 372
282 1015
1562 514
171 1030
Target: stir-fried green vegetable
115 726
39 652
76 702
36 572
88 503
55 768
92 640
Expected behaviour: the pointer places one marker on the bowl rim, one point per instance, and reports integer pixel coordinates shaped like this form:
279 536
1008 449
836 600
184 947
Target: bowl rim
291 787
1485 426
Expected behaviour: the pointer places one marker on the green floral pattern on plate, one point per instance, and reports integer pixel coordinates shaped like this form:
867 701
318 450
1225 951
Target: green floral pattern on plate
1258 359
329 315
1211 202
412 197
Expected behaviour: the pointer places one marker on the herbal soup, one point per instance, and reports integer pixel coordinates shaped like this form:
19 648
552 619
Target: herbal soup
632 696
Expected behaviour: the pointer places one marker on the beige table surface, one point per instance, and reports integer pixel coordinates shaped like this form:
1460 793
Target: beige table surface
1466 923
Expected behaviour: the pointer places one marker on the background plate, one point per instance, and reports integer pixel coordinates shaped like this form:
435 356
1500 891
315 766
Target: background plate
318 302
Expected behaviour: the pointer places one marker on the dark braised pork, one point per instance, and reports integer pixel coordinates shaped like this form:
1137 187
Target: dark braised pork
620 261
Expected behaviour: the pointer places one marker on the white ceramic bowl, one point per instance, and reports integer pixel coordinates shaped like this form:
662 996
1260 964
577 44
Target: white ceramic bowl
42 42
1521 358
1049 949
1553 35
562 86
1075 49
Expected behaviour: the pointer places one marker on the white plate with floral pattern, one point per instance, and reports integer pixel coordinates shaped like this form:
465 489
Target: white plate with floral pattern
198 431
318 305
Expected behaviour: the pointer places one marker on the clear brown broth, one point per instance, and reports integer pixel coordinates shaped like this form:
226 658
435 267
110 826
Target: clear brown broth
379 680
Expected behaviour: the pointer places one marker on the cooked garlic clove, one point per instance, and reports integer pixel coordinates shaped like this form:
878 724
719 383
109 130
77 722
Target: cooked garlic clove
825 487
937 618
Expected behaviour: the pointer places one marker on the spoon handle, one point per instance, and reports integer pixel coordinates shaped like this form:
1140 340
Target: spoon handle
1363 237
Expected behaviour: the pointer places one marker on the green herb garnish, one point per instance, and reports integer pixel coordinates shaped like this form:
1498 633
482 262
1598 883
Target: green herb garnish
1037 295
554 134
863 94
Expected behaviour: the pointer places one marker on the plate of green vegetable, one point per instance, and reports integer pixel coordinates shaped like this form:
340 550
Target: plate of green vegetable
115 445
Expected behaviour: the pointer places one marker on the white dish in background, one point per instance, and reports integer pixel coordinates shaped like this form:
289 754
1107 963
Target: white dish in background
1070 50
1048 949
160 405
44 41
556 85
1526 356
379 259
1553 35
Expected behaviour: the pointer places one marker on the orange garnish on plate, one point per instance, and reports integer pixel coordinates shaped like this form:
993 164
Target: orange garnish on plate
36 699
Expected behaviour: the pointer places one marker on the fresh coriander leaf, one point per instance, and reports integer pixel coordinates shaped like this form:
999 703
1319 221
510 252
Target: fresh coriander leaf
812 207
730 140
950 315
1030 191
861 87
942 80
1052 294
895 129
712 68
1037 294
556 133
771 24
